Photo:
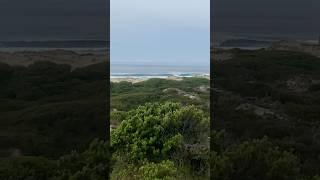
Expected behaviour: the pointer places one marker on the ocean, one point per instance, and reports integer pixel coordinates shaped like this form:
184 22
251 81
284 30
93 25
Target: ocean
79 46
124 69
156 70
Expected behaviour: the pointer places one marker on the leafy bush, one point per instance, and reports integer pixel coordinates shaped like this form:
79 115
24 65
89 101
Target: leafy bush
150 132
156 132
256 159
90 164
165 170
26 168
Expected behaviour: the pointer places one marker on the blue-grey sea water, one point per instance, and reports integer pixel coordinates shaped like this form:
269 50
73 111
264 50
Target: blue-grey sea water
118 69
157 69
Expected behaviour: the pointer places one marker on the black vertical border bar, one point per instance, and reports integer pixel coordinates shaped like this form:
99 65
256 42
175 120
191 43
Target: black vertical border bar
107 138
211 86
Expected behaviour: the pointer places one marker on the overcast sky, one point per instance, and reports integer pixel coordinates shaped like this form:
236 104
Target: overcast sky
42 19
300 17
53 19
160 32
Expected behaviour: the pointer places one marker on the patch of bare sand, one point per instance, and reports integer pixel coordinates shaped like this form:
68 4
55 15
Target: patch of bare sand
137 80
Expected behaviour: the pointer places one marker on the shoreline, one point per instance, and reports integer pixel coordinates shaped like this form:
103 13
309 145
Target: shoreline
137 79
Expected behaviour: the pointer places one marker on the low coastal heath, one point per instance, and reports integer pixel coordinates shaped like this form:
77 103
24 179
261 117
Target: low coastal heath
144 77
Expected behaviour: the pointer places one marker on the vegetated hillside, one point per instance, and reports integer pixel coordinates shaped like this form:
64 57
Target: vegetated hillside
48 110
266 99
190 91
51 120
160 129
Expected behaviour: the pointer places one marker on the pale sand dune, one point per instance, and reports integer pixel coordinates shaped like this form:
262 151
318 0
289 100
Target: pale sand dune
75 60
132 80
137 80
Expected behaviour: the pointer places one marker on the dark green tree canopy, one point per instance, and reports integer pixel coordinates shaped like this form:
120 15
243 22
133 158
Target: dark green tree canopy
155 131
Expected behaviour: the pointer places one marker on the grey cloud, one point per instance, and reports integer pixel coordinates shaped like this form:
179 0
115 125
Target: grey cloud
266 16
45 19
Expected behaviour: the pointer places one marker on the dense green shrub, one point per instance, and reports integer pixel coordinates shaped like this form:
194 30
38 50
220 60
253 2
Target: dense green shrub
156 132
27 168
256 159
93 164
165 170
285 84
90 164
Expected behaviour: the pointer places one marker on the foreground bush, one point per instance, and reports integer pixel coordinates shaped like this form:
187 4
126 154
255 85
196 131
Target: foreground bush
151 135
91 164
256 159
